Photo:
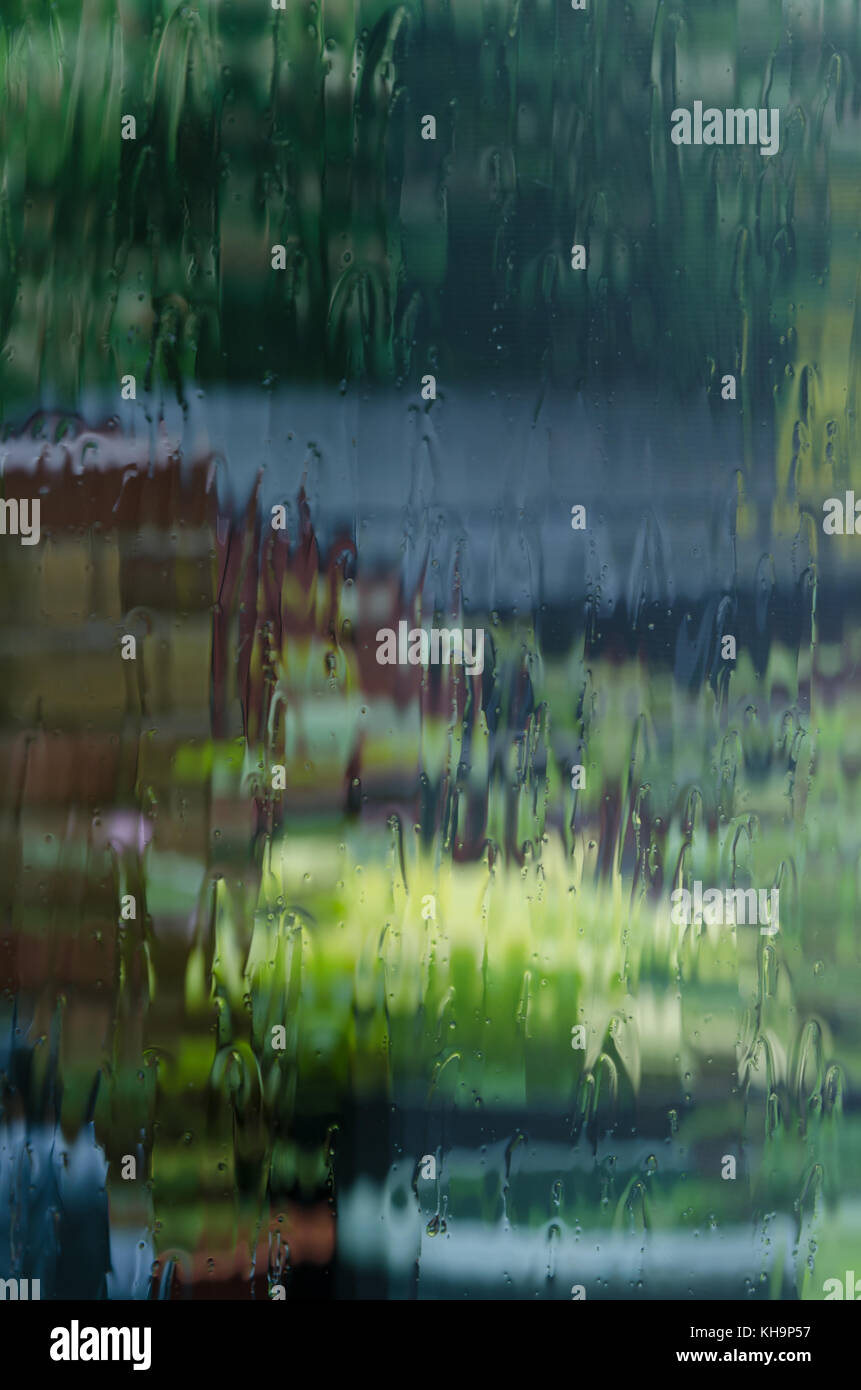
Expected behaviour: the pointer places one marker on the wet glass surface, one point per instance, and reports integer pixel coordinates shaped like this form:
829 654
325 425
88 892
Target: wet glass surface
332 337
